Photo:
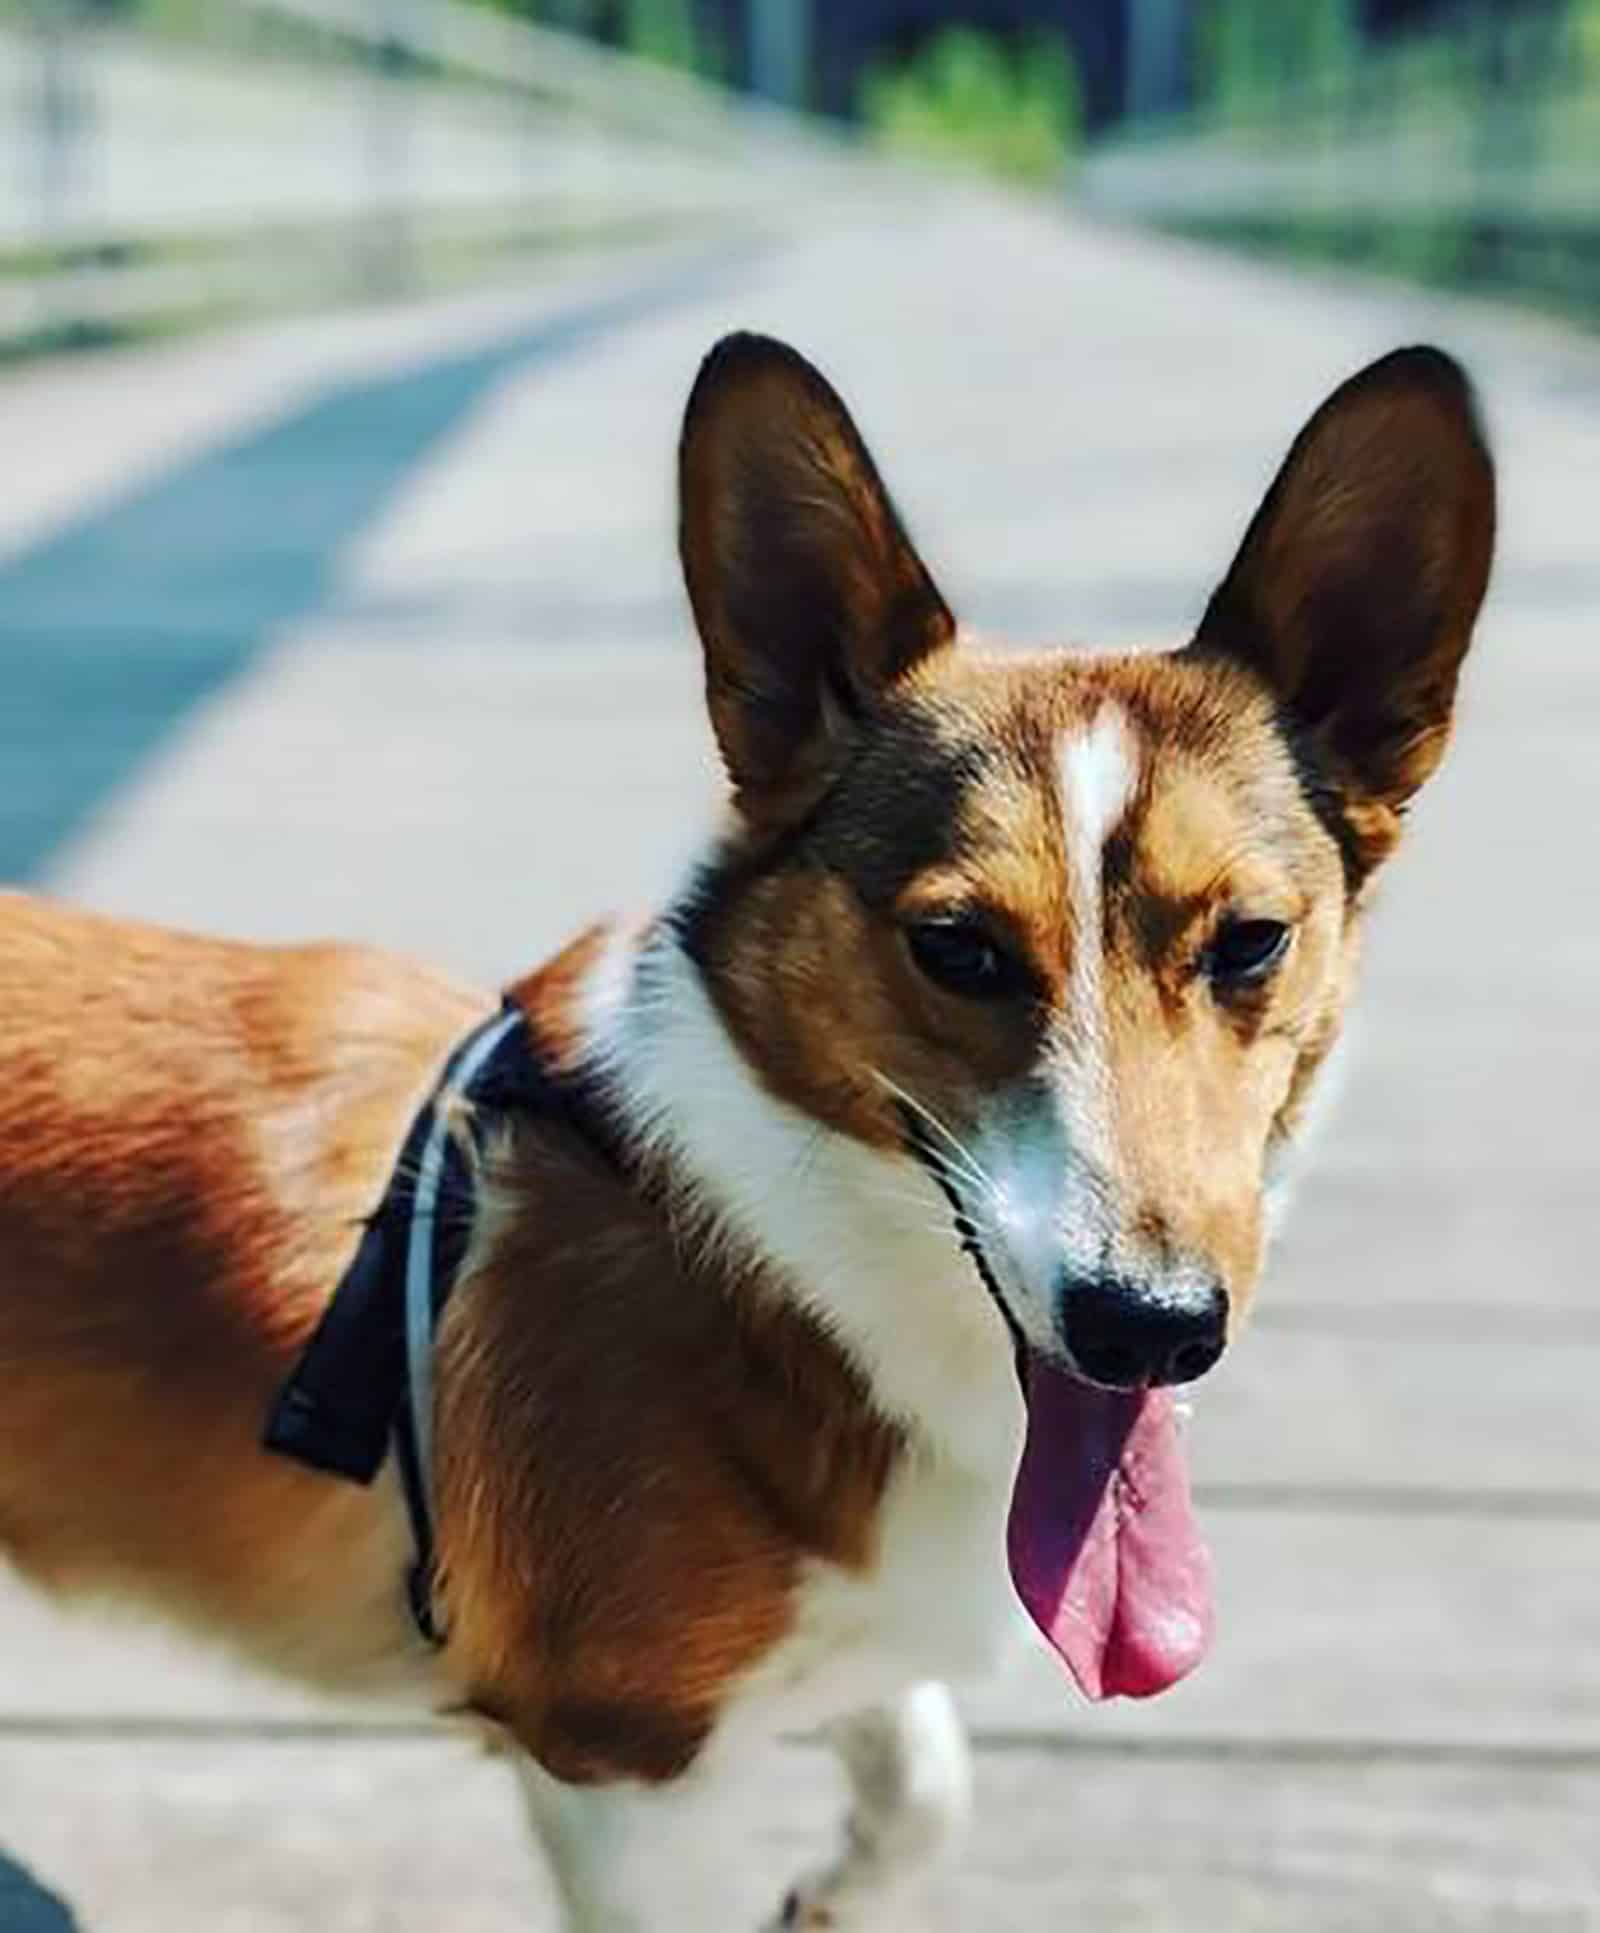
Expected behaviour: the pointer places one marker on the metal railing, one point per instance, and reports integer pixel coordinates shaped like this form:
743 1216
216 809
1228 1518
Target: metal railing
611 87
297 150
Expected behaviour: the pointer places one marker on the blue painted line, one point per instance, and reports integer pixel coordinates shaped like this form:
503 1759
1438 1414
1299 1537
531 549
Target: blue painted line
116 627
27 1907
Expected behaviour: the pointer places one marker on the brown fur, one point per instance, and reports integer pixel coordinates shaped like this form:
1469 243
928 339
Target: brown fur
1275 757
810 970
681 1434
192 1133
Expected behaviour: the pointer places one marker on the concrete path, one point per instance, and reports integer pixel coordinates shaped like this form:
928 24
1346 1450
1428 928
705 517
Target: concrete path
375 631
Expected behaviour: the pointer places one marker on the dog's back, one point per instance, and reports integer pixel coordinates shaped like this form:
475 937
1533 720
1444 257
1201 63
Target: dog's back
191 1131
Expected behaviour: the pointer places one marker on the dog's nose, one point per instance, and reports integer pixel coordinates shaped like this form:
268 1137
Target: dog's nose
1125 1336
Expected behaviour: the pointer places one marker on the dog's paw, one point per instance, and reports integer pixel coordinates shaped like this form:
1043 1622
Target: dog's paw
802 1912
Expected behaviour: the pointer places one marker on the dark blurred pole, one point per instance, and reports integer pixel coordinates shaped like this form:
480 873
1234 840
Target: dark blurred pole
1158 57
780 51
56 128
390 254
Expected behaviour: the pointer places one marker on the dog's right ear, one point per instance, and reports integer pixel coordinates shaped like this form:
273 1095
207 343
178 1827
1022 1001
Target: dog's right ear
1354 594
810 600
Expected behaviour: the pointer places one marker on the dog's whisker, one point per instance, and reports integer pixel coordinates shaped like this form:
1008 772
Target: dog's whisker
911 1198
964 1160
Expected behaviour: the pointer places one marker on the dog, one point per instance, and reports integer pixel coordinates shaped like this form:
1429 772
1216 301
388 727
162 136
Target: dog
723 1335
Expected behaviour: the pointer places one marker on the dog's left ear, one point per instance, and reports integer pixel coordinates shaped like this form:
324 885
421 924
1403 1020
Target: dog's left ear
808 595
1358 583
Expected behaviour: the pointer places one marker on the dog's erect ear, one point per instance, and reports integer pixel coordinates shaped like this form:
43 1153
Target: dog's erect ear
1356 588
808 595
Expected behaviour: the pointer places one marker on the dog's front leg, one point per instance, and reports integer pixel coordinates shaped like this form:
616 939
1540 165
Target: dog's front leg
631 1858
910 1778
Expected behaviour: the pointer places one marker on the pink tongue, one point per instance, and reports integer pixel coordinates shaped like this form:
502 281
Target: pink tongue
1105 1551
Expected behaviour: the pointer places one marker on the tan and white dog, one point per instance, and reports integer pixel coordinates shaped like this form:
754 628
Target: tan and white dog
941 1113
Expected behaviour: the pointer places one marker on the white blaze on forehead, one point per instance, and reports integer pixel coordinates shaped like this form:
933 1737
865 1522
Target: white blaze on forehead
1098 769
1097 765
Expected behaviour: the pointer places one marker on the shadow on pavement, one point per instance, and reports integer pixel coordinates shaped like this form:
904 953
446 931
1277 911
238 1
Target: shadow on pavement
114 627
26 1907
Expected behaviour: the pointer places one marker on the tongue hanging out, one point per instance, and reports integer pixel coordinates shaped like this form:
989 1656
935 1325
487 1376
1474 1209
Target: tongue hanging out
1105 1552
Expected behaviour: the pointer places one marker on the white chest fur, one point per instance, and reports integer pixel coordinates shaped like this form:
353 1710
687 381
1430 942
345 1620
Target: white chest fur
935 1604
864 1241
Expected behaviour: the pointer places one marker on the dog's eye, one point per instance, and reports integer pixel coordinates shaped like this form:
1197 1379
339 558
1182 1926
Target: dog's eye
963 957
1245 951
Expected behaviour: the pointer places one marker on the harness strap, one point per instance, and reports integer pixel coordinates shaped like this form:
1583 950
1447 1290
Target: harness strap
365 1378
423 1284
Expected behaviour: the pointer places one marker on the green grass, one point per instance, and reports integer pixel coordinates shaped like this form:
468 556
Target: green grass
968 98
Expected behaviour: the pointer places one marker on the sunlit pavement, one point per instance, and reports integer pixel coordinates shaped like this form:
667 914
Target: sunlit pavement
371 627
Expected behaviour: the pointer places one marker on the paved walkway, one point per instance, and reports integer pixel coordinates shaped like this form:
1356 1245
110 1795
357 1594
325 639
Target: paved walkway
371 627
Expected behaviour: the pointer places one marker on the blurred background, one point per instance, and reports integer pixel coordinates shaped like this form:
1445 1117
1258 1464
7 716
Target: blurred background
170 159
342 347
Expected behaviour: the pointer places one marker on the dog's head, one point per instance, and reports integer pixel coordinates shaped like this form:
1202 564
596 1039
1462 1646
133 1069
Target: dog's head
1079 929
1074 932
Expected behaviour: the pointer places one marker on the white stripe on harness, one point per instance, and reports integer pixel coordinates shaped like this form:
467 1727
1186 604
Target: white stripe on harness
419 1253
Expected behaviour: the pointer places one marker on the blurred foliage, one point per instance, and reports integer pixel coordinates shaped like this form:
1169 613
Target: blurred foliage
1247 51
189 17
659 30
968 97
662 30
1463 152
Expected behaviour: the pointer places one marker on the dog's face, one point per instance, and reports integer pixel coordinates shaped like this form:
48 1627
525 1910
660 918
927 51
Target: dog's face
1074 932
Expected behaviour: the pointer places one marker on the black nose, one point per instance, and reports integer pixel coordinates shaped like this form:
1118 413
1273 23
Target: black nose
1125 1335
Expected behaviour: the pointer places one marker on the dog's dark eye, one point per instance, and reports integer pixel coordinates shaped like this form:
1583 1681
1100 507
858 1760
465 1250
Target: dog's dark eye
1245 951
962 956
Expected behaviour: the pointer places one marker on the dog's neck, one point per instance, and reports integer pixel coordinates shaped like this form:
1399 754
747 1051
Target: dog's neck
861 1239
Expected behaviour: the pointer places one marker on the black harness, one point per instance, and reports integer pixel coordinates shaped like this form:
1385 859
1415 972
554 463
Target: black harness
365 1379
364 1382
